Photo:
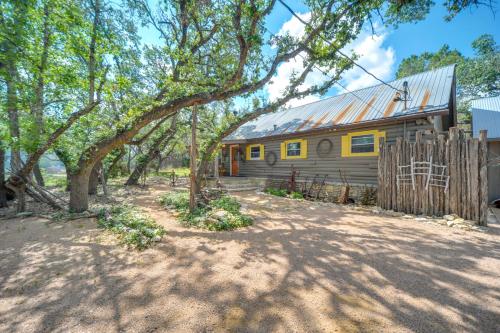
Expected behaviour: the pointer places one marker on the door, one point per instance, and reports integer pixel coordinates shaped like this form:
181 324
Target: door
235 160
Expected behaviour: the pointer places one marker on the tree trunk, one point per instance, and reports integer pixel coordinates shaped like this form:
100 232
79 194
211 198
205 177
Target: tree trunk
15 153
102 175
79 196
38 175
158 166
3 190
94 179
68 181
193 189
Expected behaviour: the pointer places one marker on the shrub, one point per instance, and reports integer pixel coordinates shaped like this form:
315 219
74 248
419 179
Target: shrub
227 203
219 214
275 191
176 200
132 226
296 195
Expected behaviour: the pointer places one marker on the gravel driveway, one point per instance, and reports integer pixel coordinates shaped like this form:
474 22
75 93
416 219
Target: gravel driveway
301 267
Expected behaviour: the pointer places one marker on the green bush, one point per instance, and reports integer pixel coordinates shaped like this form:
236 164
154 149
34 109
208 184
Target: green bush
227 203
220 214
176 200
275 191
296 195
132 226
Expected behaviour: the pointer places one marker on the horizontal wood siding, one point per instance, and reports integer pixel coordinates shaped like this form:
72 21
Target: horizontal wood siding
358 170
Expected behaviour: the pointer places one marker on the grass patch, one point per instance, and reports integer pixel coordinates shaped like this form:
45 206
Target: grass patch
179 172
133 227
220 214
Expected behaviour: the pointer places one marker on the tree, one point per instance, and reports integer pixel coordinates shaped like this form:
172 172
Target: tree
477 76
404 11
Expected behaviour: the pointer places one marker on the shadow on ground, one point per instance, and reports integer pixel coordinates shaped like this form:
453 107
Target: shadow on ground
301 268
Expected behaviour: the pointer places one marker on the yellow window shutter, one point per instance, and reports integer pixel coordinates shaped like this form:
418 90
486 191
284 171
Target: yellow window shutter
346 151
380 134
247 153
303 148
283 150
261 152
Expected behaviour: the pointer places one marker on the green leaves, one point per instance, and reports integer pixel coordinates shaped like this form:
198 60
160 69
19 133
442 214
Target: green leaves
477 76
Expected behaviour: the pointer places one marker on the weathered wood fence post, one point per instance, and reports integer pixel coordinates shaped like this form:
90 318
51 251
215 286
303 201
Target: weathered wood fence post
435 175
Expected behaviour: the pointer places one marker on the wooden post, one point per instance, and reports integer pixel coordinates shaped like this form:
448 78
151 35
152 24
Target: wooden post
483 178
454 174
192 161
474 176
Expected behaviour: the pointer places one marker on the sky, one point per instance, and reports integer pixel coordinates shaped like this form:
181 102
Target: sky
381 53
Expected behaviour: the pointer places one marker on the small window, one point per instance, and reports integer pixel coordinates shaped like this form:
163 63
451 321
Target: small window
363 144
293 149
255 152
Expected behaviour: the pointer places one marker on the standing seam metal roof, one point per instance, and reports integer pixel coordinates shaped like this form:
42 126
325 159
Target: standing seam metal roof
430 91
486 116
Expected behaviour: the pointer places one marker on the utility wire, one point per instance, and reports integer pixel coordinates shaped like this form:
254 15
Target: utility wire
337 50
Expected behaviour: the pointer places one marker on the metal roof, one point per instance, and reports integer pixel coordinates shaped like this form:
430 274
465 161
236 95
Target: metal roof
486 115
429 91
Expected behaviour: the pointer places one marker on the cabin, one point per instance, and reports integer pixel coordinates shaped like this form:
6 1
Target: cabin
486 116
338 137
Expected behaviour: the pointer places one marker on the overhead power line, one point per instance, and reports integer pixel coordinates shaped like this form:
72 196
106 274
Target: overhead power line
337 50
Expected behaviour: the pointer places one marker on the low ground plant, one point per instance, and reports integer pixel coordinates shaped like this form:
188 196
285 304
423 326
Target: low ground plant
219 214
283 193
133 227
275 191
296 195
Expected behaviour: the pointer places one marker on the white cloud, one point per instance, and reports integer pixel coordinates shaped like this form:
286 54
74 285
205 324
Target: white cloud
294 27
376 58
373 56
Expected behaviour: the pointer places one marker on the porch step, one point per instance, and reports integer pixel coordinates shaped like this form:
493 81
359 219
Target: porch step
242 189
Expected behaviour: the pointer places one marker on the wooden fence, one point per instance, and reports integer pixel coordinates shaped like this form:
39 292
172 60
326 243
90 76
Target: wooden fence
435 175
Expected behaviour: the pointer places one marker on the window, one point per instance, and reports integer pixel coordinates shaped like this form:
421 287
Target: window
255 152
291 149
363 143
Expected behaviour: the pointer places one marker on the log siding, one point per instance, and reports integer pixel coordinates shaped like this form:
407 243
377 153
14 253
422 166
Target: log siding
358 169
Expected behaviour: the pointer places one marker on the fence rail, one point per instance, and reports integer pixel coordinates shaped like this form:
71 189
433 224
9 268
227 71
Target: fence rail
435 175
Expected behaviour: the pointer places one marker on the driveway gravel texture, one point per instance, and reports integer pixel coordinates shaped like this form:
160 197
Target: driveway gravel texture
302 267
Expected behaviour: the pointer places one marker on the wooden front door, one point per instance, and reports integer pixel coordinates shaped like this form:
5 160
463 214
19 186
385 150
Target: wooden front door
234 161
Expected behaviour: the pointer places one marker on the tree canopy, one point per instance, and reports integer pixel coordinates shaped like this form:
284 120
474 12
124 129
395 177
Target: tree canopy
477 76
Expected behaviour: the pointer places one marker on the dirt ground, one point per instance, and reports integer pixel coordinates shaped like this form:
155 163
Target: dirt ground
302 267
